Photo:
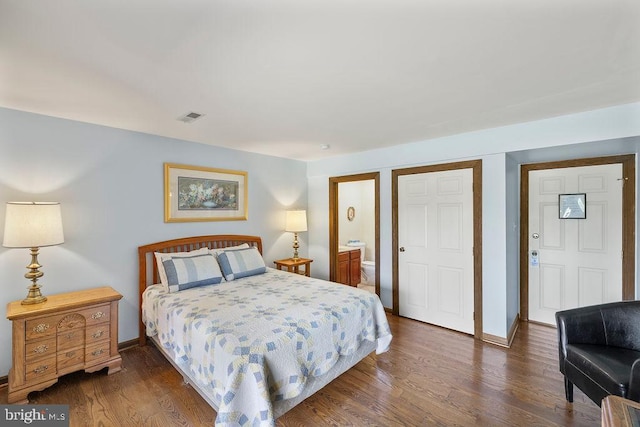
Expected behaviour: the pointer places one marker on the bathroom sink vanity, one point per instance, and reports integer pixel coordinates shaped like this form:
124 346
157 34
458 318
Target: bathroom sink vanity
348 266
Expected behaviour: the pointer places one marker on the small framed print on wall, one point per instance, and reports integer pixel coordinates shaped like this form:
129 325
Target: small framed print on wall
193 193
572 206
351 213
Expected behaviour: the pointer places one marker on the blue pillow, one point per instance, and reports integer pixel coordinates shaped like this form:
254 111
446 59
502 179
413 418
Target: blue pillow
241 263
190 272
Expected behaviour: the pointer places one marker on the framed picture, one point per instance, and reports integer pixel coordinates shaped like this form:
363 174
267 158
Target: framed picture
351 213
573 206
193 193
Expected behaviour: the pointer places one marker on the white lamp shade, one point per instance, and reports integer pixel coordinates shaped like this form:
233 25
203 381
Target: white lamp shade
32 224
296 221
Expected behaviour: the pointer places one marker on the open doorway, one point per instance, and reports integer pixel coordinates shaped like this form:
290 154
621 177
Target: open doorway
354 223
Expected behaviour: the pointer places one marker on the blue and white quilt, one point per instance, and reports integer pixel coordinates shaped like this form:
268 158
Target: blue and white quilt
257 340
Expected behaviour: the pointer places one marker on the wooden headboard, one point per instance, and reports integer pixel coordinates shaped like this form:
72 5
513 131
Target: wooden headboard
147 262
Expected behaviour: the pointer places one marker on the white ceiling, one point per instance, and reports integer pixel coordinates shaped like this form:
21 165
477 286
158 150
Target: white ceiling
283 77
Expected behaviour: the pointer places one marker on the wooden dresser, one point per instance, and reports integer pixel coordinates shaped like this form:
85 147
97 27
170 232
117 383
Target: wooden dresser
68 332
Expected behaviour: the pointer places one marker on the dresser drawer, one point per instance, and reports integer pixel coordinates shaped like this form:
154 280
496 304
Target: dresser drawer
41 369
70 322
97 352
97 333
70 339
38 349
96 314
70 360
40 328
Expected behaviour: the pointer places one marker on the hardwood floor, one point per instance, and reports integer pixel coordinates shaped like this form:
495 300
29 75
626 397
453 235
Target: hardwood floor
431 376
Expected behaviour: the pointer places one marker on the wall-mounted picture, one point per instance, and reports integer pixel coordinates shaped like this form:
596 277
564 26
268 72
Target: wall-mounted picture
194 193
573 206
351 213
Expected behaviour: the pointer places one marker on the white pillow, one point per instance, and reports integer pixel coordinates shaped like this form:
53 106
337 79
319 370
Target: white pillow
241 263
160 257
218 251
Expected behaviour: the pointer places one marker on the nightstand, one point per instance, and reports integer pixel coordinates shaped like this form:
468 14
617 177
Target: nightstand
293 265
69 332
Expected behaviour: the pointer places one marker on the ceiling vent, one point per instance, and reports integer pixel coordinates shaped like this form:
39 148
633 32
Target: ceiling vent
190 117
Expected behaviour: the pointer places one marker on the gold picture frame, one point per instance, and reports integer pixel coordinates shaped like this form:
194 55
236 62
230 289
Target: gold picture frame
195 193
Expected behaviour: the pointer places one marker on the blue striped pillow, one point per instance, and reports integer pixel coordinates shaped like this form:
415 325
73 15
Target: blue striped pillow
241 263
190 272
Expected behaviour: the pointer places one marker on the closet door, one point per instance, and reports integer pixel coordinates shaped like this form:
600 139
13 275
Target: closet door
435 236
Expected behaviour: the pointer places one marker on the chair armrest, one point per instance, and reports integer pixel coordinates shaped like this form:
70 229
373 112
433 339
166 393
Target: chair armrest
561 322
634 382
582 325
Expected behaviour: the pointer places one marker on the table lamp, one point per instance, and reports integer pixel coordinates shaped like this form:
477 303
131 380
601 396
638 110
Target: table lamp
295 222
33 225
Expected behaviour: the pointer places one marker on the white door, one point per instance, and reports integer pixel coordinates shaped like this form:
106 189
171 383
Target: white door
435 234
574 262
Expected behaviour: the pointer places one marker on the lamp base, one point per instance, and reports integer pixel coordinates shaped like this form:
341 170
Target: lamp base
34 296
296 246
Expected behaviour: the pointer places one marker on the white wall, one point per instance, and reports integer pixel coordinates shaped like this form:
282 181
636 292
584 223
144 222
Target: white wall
110 185
361 196
568 135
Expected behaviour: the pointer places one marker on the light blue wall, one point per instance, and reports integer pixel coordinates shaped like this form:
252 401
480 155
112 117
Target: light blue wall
494 243
110 185
512 228
109 182
501 151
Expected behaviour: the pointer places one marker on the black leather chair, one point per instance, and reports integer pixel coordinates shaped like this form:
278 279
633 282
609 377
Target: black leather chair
599 350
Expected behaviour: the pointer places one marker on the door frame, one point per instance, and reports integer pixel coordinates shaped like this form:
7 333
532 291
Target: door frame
628 220
334 221
476 167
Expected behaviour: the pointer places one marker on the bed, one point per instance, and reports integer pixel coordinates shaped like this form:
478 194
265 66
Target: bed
254 345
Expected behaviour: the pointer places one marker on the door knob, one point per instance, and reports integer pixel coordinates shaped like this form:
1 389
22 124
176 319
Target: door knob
401 249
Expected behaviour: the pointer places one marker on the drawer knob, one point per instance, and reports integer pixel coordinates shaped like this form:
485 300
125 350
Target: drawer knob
41 348
70 354
97 334
70 335
98 315
97 352
41 328
40 369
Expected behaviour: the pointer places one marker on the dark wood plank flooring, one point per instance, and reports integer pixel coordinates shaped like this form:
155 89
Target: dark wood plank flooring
431 376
